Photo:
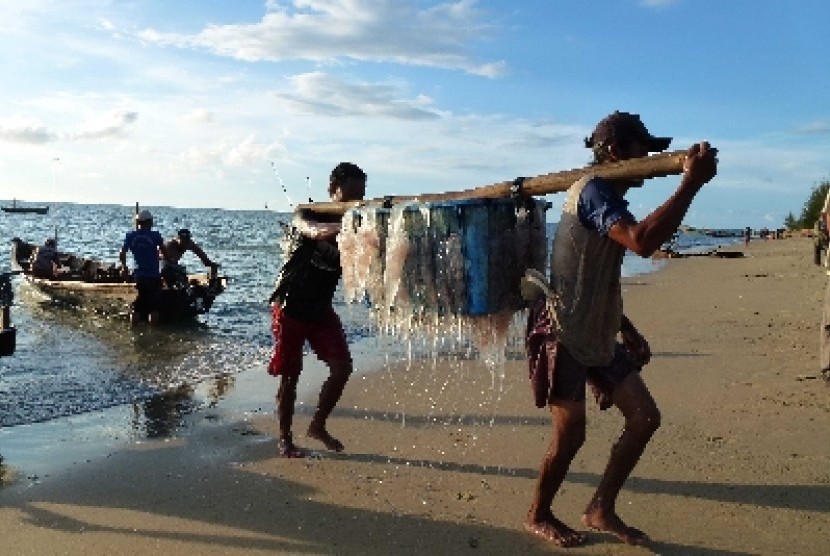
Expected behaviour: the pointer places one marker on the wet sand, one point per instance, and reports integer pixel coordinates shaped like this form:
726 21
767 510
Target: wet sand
441 458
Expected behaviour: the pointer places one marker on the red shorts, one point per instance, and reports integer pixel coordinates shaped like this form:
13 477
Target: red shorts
326 338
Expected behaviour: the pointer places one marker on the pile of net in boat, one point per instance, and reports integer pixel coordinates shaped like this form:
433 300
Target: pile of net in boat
443 268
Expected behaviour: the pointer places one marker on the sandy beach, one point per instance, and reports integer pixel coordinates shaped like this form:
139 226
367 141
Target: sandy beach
441 457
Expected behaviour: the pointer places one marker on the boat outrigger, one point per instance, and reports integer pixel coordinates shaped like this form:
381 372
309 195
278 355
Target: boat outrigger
97 286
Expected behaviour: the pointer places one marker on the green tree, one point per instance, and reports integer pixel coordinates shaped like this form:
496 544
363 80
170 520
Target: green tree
812 207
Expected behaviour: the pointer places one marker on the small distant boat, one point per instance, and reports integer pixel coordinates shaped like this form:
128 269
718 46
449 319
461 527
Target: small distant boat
25 209
99 287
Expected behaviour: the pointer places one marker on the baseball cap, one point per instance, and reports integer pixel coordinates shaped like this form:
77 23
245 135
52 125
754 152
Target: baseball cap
144 216
623 126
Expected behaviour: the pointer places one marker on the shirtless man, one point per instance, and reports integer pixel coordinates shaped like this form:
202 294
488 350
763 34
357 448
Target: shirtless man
573 337
176 247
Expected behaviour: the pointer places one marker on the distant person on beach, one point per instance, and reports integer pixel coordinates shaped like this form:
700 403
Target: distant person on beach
301 310
145 244
572 332
176 247
824 339
45 260
820 240
747 236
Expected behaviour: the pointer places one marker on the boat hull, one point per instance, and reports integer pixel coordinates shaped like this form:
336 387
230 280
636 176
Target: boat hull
97 287
117 299
30 210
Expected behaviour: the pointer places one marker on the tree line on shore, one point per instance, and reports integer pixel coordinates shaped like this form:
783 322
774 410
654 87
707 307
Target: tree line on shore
811 210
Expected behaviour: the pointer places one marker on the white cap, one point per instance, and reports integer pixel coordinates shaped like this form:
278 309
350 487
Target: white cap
144 216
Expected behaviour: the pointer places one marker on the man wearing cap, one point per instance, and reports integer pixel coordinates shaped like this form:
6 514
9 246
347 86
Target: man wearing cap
176 247
145 244
579 334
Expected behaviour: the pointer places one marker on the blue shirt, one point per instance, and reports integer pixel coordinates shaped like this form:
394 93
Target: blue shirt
600 206
144 244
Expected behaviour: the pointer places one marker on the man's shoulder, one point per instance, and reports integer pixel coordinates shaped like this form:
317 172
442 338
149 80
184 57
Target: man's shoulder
153 235
598 185
598 191
156 235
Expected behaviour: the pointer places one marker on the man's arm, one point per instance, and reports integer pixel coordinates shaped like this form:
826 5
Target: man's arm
307 225
201 254
163 250
645 237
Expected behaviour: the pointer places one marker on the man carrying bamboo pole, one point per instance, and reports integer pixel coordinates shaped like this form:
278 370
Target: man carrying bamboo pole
301 310
572 333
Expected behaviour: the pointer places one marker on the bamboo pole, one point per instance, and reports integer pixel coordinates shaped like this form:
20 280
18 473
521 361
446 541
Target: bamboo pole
647 167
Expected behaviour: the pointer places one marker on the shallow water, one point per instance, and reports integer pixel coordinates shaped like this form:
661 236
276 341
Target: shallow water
79 383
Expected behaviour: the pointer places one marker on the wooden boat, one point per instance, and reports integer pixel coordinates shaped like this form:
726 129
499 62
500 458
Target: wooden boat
93 285
24 209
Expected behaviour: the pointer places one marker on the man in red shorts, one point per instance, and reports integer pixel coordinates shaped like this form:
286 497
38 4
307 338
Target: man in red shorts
301 310
573 332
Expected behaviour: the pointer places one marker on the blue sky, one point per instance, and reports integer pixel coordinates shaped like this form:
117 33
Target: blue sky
220 103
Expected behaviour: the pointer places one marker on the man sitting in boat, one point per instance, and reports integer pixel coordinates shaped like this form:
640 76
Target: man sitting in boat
145 244
45 260
173 272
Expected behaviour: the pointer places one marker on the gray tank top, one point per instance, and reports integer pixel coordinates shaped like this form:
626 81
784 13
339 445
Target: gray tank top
585 276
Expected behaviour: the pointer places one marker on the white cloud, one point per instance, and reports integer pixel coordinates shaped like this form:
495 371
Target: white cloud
330 31
110 125
249 152
324 94
198 116
19 130
818 127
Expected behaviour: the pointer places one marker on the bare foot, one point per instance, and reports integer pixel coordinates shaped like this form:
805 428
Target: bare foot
321 434
288 449
611 523
554 531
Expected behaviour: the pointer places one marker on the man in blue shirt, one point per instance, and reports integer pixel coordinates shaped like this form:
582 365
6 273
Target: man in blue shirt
145 244
579 334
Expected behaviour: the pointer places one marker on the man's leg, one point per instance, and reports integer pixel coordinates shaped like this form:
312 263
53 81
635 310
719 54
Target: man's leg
286 397
137 311
642 419
330 393
568 435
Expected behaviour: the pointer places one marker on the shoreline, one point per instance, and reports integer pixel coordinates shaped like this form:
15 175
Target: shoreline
441 457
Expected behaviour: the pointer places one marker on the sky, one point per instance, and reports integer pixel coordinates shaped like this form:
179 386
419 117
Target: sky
243 104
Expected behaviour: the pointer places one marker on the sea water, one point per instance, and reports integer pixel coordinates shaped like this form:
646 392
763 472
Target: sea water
79 381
